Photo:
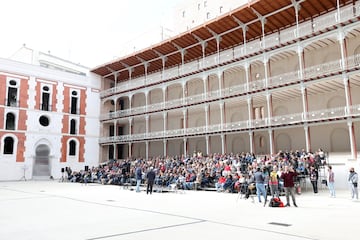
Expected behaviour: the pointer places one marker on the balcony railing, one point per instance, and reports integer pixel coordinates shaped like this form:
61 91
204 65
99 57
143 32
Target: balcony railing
277 121
325 69
287 35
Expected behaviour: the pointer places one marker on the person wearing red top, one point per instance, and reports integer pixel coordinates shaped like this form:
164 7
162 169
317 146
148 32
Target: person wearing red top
220 184
288 175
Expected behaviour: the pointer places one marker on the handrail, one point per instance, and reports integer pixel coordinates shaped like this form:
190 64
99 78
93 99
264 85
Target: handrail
324 69
276 121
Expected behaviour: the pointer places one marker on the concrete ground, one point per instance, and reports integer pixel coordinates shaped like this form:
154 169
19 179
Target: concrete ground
49 210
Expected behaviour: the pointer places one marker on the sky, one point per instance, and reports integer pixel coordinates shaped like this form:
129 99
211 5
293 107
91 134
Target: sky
88 32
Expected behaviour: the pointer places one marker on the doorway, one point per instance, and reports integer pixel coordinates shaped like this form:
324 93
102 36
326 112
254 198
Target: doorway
41 164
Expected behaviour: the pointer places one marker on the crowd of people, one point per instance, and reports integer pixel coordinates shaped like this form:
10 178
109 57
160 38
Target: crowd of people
221 172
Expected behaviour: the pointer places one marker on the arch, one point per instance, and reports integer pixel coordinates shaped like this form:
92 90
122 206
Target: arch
280 111
200 146
340 140
138 100
335 102
73 147
72 126
200 121
174 91
10 121
195 87
8 145
156 96
41 161
237 145
236 116
283 142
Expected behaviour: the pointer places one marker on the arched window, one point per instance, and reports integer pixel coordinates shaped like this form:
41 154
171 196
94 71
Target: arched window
12 95
10 121
72 126
45 98
8 145
72 148
74 103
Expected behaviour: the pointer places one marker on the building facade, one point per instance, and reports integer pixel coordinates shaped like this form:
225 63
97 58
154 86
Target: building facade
284 77
49 117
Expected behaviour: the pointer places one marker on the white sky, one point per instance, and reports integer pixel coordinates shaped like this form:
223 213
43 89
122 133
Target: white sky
89 32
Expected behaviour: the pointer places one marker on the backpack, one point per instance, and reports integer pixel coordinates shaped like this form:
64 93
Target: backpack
276 202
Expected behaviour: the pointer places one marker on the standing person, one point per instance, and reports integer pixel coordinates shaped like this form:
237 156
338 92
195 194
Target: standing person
274 182
353 181
138 176
259 183
150 180
331 181
314 176
288 175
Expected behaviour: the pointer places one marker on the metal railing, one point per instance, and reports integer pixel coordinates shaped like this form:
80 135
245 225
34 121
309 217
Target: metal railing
276 121
333 67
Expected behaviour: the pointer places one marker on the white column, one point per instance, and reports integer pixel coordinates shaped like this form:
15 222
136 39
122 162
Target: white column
185 147
341 39
300 51
207 144
222 143
147 149
165 147
222 114
114 151
251 139
146 125
130 125
247 78
271 141
304 101
220 83
249 102
352 139
269 105
165 123
347 92
130 150
184 93
185 120
307 137
207 116
266 61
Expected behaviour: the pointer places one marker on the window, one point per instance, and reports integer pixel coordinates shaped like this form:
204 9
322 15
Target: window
74 102
12 94
221 9
259 113
45 99
205 4
183 14
199 6
72 148
8 145
208 15
111 152
44 121
10 121
72 126
111 130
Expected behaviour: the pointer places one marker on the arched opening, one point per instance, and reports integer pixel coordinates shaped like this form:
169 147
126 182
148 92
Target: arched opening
41 164
10 121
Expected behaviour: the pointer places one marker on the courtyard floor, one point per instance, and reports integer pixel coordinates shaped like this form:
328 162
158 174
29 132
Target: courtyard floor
50 210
